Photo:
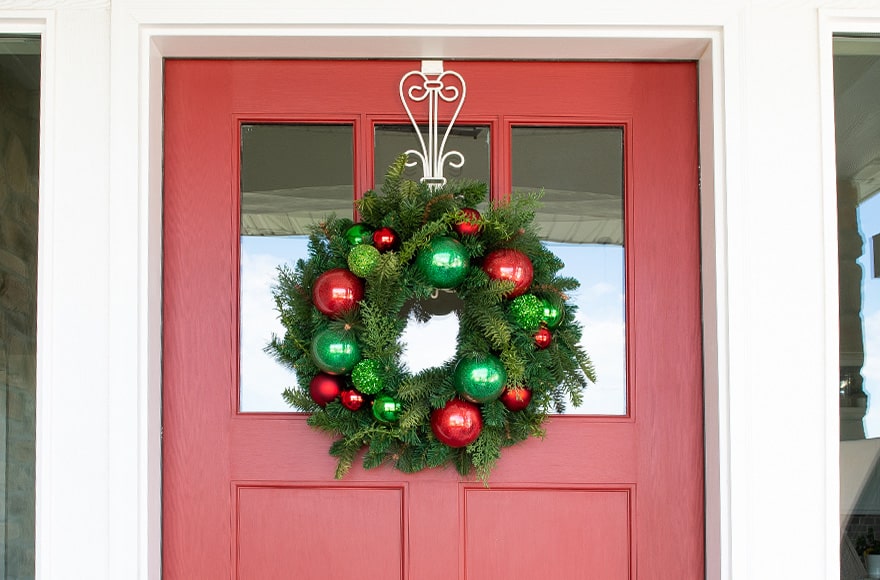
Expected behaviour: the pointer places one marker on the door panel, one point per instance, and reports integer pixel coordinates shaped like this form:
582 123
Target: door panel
270 518
573 532
251 495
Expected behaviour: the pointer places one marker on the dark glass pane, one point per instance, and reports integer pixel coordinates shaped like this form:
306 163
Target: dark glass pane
291 177
580 171
294 175
471 141
19 181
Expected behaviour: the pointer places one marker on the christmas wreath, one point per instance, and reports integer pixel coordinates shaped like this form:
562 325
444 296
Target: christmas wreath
345 307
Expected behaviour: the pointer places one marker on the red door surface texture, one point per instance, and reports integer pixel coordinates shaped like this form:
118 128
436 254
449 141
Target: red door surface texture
252 495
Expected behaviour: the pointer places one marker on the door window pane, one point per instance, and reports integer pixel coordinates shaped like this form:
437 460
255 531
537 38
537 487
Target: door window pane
19 164
470 140
291 176
857 128
580 171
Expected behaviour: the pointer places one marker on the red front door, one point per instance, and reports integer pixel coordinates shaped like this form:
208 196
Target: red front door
252 495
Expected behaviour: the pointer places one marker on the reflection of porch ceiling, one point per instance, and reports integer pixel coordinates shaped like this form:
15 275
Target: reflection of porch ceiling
856 117
564 216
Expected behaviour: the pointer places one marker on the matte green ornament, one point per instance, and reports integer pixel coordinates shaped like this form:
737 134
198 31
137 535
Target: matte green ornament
444 262
386 409
363 259
335 351
367 376
479 379
552 315
527 311
359 234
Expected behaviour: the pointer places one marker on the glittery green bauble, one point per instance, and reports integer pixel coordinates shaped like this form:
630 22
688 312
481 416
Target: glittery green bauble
335 351
444 262
551 315
527 311
359 234
480 379
362 260
386 409
366 376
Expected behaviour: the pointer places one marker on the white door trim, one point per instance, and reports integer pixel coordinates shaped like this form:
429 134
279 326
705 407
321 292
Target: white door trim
137 150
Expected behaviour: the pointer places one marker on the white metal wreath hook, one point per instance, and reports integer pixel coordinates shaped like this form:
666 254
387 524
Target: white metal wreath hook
429 86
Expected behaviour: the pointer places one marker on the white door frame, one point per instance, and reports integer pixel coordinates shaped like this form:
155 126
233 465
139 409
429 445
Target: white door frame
704 44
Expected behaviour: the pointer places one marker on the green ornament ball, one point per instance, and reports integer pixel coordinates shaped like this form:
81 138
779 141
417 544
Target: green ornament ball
444 262
335 351
363 259
359 234
552 315
386 409
527 311
479 379
367 376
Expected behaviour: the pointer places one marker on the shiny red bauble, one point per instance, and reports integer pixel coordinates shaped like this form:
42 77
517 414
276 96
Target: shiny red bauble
351 399
468 227
386 240
516 398
543 337
325 388
510 265
457 424
337 291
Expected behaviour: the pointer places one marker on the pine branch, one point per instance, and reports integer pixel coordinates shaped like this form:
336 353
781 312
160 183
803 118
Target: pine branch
345 450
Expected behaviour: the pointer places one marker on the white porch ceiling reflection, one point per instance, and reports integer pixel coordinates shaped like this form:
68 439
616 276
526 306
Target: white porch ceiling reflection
576 217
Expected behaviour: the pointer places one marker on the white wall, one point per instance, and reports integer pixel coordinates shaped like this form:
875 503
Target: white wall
769 238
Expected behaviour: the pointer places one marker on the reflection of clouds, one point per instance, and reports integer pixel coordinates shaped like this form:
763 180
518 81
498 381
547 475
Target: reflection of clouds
604 339
600 289
605 342
262 378
601 307
429 344
871 373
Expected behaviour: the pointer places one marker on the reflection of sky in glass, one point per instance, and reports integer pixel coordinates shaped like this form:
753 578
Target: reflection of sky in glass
601 312
869 225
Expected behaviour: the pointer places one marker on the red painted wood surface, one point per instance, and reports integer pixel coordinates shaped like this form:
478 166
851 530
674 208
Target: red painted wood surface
599 497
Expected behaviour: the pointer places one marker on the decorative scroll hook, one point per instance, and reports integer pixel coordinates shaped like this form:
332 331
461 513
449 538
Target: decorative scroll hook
428 88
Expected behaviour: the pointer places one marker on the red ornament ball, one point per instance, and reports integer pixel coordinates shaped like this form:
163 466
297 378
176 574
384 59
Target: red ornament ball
386 240
543 337
510 265
457 424
351 399
468 227
337 291
325 388
516 398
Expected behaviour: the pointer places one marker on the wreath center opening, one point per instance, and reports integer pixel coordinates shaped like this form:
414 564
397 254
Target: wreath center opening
431 329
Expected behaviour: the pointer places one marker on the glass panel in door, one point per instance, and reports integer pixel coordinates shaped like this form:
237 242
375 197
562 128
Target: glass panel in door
291 176
580 172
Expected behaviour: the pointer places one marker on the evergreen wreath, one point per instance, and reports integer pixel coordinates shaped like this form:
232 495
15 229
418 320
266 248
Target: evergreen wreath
344 309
